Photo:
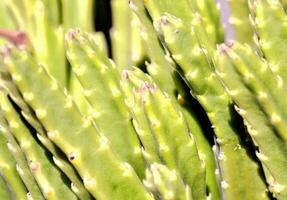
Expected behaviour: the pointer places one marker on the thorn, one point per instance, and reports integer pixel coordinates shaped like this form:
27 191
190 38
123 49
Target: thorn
72 156
74 188
222 156
240 110
224 184
261 156
41 113
34 166
29 196
72 34
164 20
11 148
89 183
6 50
52 134
132 5
224 47
219 141
126 74
146 87
19 170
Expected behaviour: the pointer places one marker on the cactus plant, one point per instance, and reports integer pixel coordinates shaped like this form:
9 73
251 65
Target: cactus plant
160 107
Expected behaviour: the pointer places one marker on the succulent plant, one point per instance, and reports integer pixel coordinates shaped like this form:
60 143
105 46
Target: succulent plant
163 107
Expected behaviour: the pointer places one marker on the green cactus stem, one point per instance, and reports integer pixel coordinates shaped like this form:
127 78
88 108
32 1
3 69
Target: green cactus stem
103 173
175 146
172 21
240 81
159 68
210 18
60 160
22 166
5 193
162 69
9 172
47 175
78 14
48 41
269 19
166 184
104 94
125 28
239 20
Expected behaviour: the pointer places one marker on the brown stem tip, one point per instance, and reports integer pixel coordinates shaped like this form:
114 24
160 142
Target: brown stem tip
18 38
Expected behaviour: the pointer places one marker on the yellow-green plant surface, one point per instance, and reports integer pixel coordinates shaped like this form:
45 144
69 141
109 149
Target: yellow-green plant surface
160 107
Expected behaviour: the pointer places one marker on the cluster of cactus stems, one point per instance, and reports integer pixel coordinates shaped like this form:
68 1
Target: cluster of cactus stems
177 113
